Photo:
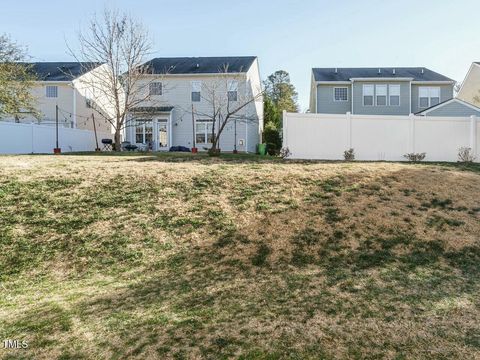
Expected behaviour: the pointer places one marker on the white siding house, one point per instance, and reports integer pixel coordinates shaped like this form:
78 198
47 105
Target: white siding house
60 84
178 113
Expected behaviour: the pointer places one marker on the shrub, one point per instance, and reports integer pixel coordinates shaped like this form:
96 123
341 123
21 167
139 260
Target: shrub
271 136
415 157
349 155
465 155
285 153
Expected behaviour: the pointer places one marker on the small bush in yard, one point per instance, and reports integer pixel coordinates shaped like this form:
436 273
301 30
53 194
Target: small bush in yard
415 157
465 155
349 155
285 153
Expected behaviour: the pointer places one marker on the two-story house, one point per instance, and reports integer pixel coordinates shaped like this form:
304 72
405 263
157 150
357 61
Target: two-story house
61 85
178 110
377 91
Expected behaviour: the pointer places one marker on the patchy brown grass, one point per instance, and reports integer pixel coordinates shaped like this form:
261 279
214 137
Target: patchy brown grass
188 257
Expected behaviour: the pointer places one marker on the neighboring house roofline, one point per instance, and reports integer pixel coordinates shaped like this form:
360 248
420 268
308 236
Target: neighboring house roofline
344 74
475 63
434 82
381 79
446 102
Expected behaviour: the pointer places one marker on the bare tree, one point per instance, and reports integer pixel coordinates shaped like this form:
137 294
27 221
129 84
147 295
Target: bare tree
113 49
228 100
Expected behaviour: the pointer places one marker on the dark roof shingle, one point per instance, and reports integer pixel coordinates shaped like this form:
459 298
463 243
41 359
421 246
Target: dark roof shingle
61 71
345 74
200 65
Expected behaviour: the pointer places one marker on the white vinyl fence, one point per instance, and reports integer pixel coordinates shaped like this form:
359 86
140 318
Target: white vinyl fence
18 138
373 137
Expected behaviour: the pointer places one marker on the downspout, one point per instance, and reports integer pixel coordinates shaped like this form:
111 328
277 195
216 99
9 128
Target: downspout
351 96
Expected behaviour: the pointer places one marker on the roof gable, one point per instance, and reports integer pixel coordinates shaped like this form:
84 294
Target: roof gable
201 65
472 108
345 74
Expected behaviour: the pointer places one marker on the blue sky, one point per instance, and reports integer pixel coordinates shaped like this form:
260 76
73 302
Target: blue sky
292 35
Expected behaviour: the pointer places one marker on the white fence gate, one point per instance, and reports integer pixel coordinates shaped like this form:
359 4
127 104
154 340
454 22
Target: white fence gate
325 136
18 138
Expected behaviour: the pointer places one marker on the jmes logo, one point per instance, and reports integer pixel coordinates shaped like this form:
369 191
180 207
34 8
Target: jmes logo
15 344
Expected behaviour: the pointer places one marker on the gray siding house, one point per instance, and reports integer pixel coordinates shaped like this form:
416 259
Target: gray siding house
178 111
377 91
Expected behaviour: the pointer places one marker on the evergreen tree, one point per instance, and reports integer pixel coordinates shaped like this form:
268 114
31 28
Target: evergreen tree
281 91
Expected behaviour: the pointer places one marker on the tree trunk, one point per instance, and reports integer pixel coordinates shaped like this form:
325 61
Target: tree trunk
118 139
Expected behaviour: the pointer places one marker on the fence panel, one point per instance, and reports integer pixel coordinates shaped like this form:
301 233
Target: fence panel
373 137
40 139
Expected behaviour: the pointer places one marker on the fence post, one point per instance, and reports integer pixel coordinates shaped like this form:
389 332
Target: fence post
284 140
32 137
411 136
349 126
473 134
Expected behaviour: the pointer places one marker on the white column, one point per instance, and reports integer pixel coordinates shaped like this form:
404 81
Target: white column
170 129
285 122
473 134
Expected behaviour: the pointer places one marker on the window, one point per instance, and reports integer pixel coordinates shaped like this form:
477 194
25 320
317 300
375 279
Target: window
428 96
52 91
340 94
203 132
381 95
232 90
155 88
196 90
143 131
394 95
368 95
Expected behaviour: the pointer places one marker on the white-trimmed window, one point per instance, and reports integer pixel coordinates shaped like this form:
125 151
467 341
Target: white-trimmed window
155 88
196 91
203 132
428 96
381 94
143 131
340 94
51 91
368 92
232 90
394 95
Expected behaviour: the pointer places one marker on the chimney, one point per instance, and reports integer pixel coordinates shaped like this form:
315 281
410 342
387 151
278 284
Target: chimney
423 71
336 70
393 71
379 70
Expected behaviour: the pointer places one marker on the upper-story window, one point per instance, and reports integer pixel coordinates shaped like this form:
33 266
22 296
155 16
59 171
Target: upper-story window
51 91
340 94
428 96
381 94
394 95
368 92
155 88
232 90
196 90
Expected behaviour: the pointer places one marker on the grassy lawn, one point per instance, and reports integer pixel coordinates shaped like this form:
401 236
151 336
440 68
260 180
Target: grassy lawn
182 256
